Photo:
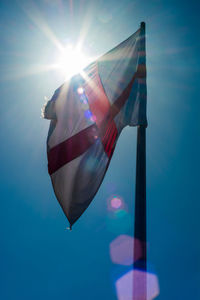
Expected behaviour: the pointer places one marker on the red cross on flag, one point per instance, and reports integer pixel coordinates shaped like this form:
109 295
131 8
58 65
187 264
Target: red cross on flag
87 116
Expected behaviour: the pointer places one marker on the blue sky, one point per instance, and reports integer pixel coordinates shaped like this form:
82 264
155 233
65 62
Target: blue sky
39 257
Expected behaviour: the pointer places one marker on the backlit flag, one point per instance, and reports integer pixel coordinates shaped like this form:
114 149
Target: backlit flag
87 116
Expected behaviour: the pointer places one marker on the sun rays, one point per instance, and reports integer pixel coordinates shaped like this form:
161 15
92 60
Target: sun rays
57 54
64 58
71 60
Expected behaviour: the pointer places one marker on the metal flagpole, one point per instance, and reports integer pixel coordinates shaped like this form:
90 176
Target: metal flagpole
140 265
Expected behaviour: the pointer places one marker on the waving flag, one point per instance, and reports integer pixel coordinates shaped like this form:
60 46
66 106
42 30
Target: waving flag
87 116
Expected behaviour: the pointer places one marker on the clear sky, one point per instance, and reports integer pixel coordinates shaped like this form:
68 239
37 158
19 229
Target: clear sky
39 258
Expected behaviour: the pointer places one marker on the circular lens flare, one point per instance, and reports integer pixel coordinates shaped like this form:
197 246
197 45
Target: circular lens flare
80 90
116 203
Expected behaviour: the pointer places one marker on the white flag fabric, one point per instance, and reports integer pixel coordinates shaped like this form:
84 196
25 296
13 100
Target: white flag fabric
87 116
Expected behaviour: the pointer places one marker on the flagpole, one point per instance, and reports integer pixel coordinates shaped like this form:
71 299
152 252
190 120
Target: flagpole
140 282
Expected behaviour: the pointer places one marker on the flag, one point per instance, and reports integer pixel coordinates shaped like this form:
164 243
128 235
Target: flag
87 115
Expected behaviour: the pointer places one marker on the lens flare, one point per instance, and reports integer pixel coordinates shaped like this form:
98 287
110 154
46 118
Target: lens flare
119 221
80 90
93 118
116 203
122 250
131 285
88 114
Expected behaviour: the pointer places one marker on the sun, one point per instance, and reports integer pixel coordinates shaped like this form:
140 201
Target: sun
71 61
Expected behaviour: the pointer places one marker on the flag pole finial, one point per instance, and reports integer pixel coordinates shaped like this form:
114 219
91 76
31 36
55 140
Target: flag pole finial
142 25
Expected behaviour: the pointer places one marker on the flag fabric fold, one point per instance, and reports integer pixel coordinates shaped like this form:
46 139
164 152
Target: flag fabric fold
87 115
